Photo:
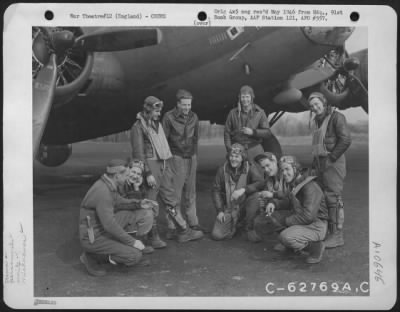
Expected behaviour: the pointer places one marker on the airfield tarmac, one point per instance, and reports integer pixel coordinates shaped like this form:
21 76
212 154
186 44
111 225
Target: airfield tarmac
200 268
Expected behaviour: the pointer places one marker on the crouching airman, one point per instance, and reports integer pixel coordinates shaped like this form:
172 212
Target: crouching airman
301 215
235 174
103 232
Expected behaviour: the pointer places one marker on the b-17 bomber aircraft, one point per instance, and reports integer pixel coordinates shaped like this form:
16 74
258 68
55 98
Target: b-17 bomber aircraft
90 82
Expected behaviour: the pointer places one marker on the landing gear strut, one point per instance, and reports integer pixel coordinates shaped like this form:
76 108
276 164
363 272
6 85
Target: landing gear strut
271 144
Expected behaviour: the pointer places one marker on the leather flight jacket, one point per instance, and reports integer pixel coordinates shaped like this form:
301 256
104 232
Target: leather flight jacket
337 138
181 132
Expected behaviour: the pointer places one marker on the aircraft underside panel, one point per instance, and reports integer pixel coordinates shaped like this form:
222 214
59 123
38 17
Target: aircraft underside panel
264 62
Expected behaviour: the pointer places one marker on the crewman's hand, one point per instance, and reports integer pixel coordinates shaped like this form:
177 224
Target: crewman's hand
247 131
221 217
146 204
325 162
129 181
151 181
329 161
237 193
138 245
269 209
266 194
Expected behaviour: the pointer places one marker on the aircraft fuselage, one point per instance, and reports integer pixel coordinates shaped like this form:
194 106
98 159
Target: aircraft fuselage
211 62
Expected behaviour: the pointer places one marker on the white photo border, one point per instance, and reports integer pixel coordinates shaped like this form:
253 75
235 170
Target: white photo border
18 219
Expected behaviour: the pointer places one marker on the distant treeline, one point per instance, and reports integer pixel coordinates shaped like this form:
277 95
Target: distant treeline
290 126
206 129
286 126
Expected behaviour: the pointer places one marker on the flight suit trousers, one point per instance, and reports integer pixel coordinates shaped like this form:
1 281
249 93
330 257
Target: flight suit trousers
164 189
224 230
332 180
184 184
138 220
297 237
246 214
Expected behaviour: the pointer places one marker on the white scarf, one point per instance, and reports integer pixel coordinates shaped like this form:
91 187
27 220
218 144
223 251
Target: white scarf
158 140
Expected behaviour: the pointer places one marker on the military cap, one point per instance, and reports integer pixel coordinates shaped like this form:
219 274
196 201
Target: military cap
183 94
116 166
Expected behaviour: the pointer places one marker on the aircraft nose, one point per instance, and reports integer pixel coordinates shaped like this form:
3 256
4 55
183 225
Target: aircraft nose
335 36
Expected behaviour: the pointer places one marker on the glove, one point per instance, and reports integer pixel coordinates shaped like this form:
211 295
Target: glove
138 244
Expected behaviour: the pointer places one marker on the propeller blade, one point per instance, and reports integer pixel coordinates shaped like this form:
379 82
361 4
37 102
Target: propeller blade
116 40
43 92
39 49
311 77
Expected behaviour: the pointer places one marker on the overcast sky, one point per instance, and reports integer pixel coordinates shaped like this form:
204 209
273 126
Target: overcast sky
358 40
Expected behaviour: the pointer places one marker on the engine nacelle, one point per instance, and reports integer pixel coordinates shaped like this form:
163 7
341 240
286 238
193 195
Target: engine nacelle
53 155
333 98
74 66
355 92
66 92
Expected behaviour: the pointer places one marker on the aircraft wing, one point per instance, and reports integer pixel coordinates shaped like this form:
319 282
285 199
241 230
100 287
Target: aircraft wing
344 82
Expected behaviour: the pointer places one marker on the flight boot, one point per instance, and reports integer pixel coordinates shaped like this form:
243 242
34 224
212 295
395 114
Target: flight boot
92 267
253 237
147 250
171 234
180 225
143 263
154 238
316 251
145 240
189 234
199 227
279 247
334 239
